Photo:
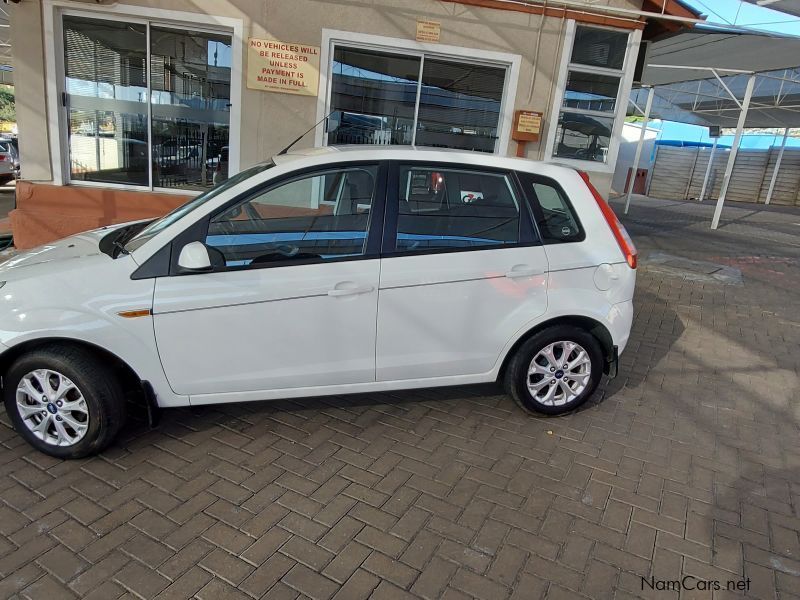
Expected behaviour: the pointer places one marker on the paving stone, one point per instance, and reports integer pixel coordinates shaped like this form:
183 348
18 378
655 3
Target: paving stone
62 563
688 461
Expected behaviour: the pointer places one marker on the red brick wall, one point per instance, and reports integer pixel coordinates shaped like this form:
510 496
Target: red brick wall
49 212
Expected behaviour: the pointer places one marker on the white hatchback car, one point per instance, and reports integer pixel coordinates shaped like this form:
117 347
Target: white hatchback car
327 271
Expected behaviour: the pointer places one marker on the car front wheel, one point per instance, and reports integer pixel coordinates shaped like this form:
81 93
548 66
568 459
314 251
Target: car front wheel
64 401
556 370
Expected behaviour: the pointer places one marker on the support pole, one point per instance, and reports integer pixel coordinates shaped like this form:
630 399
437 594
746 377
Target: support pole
777 166
726 180
638 154
708 170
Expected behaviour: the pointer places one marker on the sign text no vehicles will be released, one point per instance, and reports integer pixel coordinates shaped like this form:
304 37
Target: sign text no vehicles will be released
275 66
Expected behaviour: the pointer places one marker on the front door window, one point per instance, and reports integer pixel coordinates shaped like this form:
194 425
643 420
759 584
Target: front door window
317 218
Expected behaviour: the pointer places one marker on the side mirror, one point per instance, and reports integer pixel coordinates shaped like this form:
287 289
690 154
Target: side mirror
194 258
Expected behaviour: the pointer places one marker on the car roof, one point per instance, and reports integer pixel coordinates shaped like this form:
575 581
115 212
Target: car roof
367 152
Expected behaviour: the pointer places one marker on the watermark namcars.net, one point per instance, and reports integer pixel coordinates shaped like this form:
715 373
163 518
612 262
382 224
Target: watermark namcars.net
692 583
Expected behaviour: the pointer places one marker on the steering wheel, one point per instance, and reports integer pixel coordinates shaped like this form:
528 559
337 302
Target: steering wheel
286 250
272 250
252 213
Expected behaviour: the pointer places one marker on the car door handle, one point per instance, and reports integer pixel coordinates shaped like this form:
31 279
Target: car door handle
363 289
524 271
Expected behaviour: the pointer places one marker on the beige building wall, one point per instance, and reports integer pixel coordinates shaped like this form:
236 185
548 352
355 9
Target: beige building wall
27 40
272 120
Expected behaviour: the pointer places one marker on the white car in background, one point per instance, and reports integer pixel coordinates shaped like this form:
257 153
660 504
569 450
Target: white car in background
329 271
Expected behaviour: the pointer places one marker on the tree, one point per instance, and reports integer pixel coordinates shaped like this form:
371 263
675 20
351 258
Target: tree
7 112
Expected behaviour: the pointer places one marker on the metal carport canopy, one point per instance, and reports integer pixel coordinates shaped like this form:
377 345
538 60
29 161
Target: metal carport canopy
721 75
790 7
700 76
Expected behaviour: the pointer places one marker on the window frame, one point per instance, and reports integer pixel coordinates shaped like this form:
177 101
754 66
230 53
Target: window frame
332 38
198 231
621 104
528 233
53 12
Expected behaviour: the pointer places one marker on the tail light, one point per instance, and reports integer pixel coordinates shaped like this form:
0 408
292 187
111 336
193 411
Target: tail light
3 157
618 229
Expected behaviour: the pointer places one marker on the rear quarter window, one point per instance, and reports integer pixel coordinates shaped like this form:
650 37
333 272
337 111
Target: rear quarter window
555 217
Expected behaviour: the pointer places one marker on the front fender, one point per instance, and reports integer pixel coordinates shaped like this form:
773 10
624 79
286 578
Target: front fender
72 304
135 346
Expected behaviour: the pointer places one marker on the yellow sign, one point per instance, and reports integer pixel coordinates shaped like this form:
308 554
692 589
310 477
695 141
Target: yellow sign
529 122
288 68
428 31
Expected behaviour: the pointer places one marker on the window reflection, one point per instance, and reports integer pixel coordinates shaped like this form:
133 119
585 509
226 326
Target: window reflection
459 105
190 75
583 137
591 91
589 106
599 47
106 91
105 70
373 97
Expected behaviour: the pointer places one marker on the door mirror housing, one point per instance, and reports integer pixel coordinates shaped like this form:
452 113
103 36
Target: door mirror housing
194 258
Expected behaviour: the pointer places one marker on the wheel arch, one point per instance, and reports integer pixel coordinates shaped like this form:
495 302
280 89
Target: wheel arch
127 374
593 326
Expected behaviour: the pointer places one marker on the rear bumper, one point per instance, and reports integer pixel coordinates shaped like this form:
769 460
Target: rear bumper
612 364
620 321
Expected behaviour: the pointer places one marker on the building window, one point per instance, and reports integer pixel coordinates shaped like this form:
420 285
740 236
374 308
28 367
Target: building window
392 97
147 105
590 104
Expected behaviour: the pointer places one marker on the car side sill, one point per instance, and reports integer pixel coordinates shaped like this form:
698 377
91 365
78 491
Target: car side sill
332 390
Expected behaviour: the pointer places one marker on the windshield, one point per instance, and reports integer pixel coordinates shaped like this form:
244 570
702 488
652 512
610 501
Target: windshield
161 224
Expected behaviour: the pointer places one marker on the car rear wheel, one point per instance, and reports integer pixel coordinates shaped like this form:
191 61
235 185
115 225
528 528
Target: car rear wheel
64 401
556 370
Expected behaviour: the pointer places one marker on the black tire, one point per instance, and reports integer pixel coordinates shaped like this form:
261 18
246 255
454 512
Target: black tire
516 375
101 391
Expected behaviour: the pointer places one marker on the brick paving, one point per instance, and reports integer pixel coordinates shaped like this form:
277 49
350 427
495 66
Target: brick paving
687 464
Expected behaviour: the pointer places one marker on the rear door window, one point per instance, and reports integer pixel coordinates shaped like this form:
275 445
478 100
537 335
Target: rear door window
444 208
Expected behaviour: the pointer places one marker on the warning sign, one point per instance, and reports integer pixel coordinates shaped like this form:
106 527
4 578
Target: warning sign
527 126
428 31
285 67
529 122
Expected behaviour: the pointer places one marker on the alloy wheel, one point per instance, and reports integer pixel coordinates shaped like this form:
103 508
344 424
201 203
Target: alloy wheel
52 407
559 373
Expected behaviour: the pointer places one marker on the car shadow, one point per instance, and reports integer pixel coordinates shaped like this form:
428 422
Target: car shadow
643 352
